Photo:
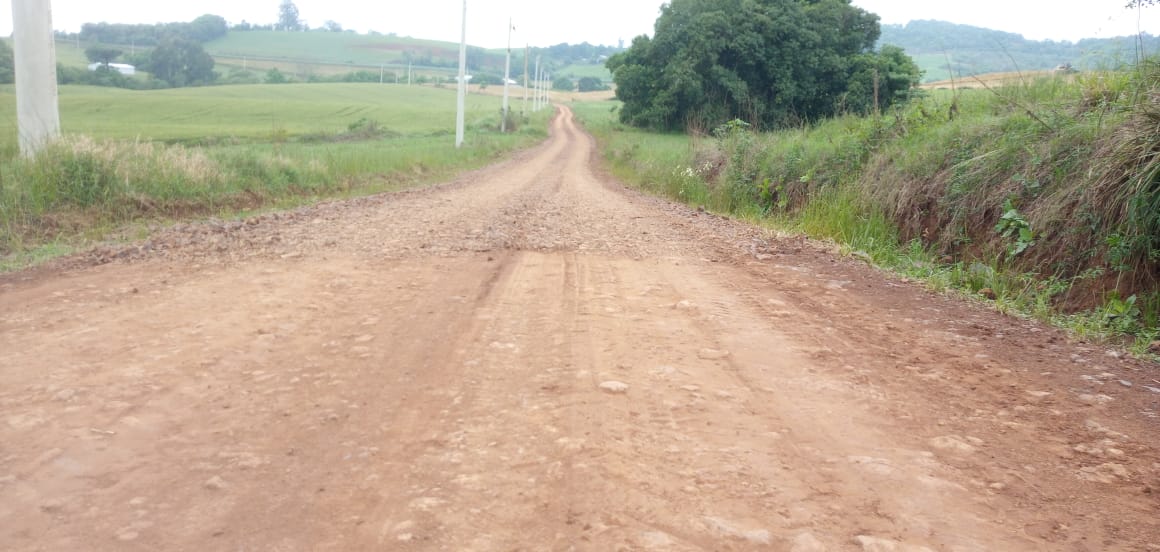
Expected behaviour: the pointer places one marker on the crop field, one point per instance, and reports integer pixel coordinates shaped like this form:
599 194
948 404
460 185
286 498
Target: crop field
328 47
342 49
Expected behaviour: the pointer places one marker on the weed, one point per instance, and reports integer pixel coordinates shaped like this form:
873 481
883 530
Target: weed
1014 227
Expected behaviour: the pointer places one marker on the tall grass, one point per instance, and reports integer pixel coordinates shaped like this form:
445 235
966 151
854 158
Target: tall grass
1044 195
83 186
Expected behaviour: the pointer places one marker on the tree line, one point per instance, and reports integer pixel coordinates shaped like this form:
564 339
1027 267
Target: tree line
201 30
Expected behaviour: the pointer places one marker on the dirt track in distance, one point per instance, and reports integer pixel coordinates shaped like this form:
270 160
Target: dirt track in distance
532 357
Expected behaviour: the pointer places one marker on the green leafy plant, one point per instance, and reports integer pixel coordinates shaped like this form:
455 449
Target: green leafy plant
1122 315
773 195
1119 252
1014 226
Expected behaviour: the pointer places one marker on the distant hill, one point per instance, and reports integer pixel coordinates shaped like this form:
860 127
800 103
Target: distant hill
328 51
970 51
975 50
348 48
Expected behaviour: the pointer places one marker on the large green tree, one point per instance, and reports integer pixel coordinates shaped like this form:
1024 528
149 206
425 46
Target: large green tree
102 54
591 84
180 61
879 80
207 27
563 84
768 62
288 17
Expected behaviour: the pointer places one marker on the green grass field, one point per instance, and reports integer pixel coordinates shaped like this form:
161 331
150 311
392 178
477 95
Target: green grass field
334 53
329 47
253 112
69 55
588 70
131 156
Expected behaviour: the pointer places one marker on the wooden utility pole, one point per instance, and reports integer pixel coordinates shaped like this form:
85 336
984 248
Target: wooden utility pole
37 111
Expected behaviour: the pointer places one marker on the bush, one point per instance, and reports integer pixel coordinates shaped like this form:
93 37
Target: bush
563 84
274 76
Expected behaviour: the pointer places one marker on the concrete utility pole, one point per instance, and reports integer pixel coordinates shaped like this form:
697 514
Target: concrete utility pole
527 49
462 80
507 75
543 85
37 111
536 96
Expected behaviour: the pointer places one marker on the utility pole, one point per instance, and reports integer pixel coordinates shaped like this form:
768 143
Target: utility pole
527 49
382 69
544 86
536 96
876 111
37 109
507 74
462 81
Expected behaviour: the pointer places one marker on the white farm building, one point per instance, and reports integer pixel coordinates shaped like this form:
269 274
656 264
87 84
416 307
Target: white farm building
121 68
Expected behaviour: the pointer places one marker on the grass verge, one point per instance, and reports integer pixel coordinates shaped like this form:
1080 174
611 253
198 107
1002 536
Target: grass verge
83 188
1041 197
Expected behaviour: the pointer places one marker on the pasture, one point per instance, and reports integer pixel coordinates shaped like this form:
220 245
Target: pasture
580 70
258 113
254 112
333 48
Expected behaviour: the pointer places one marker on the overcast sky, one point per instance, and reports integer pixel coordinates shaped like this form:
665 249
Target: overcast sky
543 23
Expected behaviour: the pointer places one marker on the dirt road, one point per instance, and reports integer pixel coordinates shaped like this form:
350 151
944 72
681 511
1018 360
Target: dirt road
533 358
